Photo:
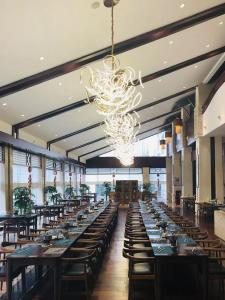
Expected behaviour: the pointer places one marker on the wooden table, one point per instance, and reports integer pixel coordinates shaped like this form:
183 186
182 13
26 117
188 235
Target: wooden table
38 255
175 266
56 209
188 202
28 220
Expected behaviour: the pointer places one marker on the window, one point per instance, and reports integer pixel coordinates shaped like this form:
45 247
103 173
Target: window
21 163
95 177
54 174
157 178
146 147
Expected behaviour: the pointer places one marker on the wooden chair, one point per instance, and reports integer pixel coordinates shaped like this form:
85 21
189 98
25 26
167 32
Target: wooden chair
141 267
78 268
216 268
14 227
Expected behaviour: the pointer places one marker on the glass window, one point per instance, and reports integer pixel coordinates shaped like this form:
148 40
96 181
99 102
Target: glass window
146 147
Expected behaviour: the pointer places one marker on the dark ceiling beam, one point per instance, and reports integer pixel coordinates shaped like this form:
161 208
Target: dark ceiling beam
121 47
171 97
170 113
181 65
145 79
146 137
96 150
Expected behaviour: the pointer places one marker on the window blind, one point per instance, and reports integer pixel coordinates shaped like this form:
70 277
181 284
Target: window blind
19 158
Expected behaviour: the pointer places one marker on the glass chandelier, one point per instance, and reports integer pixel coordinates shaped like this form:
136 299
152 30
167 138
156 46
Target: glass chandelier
114 94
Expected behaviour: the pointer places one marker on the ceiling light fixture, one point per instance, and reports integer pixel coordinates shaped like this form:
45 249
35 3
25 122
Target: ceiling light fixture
182 5
115 95
171 42
42 58
22 115
208 45
221 23
4 104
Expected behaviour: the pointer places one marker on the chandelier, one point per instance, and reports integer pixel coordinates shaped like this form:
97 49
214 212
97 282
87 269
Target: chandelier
113 91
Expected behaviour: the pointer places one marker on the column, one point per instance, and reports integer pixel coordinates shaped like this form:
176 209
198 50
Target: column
169 180
219 179
186 162
203 169
8 180
176 168
145 173
186 158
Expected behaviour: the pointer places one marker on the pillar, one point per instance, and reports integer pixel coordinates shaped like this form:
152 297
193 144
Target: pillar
219 179
169 179
203 169
186 158
176 168
8 180
145 173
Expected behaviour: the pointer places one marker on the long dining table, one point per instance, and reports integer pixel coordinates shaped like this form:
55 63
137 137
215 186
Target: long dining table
39 254
180 268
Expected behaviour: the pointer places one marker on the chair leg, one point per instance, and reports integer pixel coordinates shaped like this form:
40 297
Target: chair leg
130 289
87 289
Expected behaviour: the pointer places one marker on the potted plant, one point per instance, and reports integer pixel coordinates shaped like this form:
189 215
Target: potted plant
146 190
107 187
69 192
84 189
22 198
51 192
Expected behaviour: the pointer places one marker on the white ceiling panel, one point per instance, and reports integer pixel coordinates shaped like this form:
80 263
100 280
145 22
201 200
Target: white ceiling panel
63 30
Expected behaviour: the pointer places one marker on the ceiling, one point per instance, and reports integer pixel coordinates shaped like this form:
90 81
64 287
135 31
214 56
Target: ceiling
39 35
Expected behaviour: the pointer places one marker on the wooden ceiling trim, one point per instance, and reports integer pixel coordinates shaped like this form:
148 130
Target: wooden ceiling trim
171 97
170 113
145 79
157 127
121 47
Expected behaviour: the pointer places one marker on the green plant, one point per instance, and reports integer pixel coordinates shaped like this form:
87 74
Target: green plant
51 192
84 188
108 188
69 192
22 198
147 187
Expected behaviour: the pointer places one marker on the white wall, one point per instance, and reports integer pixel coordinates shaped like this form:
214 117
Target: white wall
214 116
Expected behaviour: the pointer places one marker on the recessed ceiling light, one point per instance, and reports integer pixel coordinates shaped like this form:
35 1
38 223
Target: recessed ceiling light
95 4
171 42
56 134
196 66
4 104
79 110
221 23
184 87
39 125
159 80
165 62
182 5
154 98
42 58
88 123
22 115
208 45
60 83
70 97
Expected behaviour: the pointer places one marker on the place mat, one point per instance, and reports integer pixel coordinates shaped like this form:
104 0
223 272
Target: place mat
162 249
55 251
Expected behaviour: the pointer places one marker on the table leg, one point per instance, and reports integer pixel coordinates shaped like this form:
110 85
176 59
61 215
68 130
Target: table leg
9 282
56 283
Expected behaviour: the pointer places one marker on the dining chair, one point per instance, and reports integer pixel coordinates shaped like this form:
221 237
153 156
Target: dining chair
141 267
78 268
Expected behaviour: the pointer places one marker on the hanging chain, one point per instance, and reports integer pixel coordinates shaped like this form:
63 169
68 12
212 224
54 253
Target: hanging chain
112 27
